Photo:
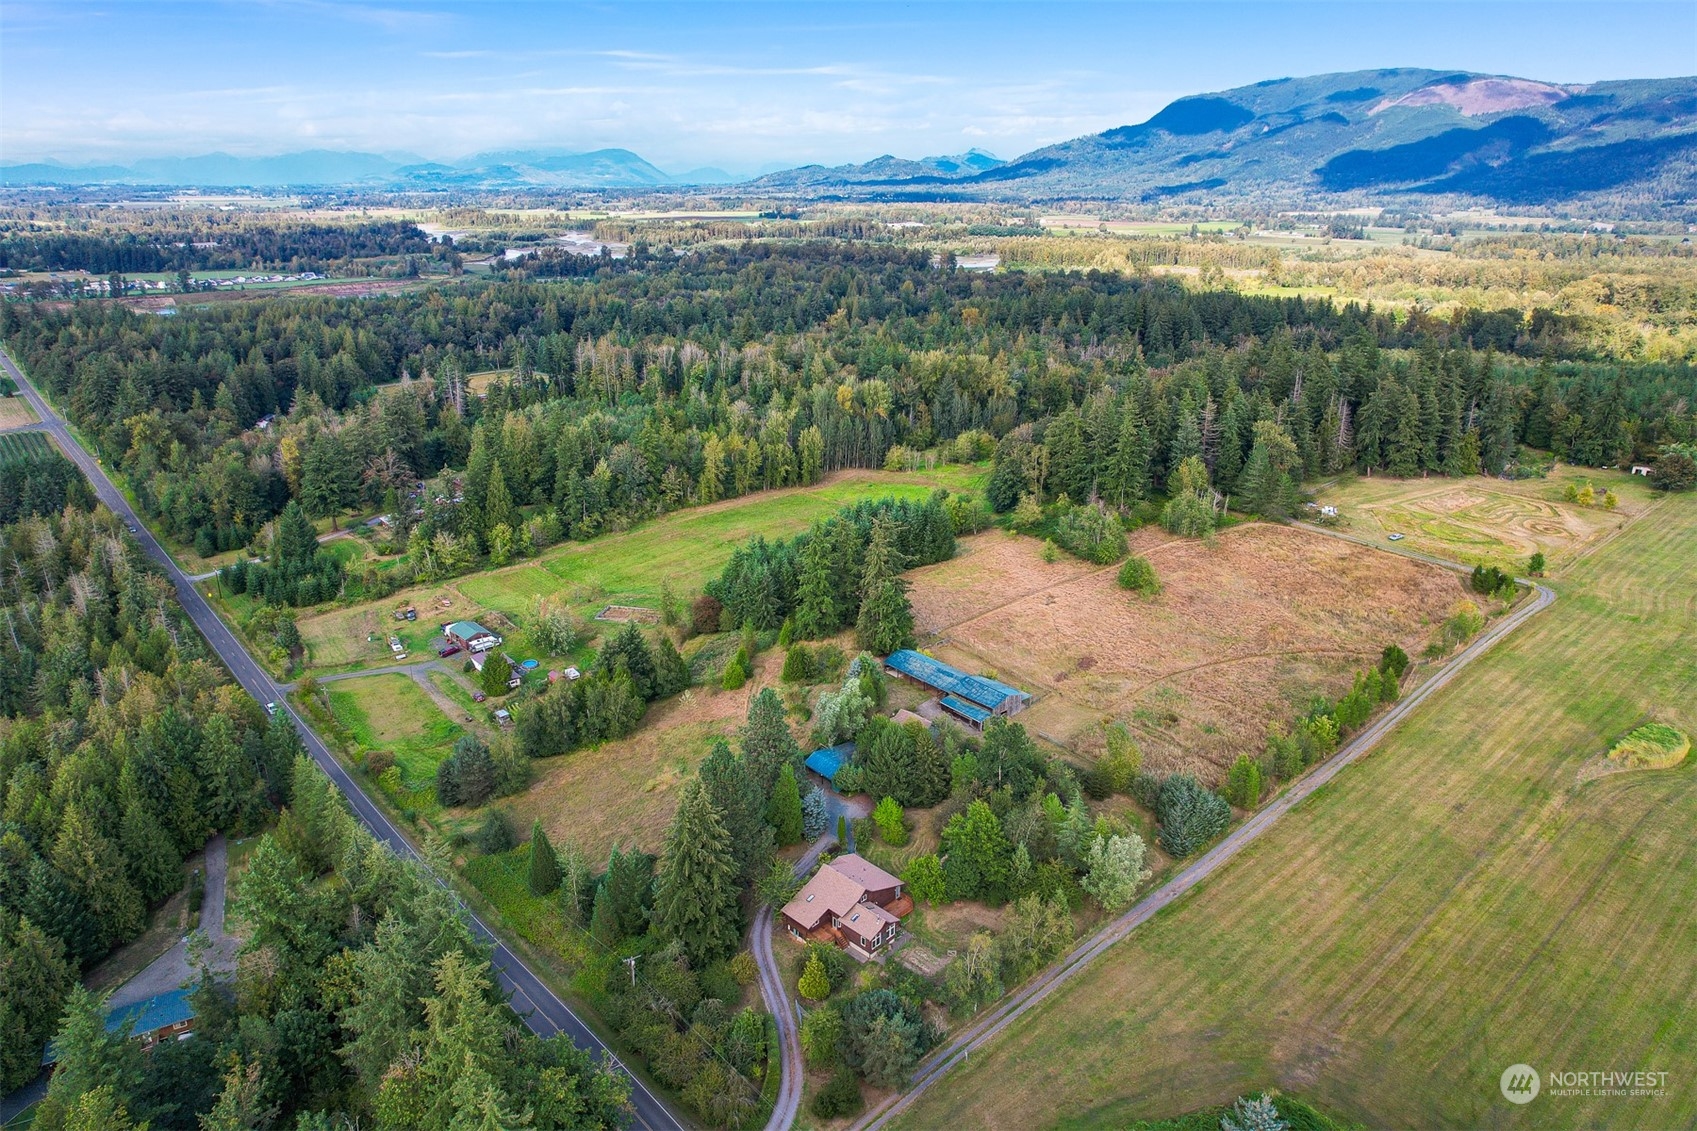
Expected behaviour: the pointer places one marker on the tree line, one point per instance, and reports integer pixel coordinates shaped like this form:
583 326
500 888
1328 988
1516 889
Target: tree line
200 247
654 382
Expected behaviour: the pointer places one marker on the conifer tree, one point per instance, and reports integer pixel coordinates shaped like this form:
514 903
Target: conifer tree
816 612
544 864
737 796
767 744
784 811
815 984
695 894
885 623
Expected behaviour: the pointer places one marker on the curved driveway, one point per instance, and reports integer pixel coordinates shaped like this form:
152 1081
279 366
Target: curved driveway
541 1008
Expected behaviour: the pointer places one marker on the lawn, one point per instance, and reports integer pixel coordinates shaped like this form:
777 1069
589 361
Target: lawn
1480 521
1243 634
1457 903
392 713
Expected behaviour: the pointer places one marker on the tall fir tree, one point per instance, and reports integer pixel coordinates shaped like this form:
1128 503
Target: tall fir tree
739 800
783 814
885 623
695 894
767 744
544 873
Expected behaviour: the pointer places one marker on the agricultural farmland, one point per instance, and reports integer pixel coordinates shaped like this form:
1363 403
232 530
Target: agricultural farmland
393 714
681 550
1246 631
1481 521
24 446
1446 908
15 412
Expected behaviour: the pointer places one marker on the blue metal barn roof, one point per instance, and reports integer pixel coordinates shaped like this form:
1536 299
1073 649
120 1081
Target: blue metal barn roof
966 710
950 680
827 761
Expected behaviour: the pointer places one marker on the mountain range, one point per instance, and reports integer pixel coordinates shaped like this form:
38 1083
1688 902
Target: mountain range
1361 135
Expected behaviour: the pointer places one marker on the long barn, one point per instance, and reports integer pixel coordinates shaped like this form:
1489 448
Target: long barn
974 699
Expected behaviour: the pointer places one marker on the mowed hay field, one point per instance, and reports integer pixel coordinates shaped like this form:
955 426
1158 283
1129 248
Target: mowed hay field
1482 521
15 412
1245 631
1454 904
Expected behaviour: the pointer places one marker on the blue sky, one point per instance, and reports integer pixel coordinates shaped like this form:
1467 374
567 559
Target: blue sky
741 86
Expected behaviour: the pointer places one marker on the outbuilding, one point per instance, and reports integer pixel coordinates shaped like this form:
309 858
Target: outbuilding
471 636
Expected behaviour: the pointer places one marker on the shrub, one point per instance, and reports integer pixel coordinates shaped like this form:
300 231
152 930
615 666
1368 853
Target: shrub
814 985
1243 782
1463 625
888 817
704 613
840 1097
744 968
1138 576
377 762
924 879
1393 660
798 664
1652 746
1190 815
1092 533
735 676
821 1029
836 963
495 835
1535 564
847 781
1146 788
1123 759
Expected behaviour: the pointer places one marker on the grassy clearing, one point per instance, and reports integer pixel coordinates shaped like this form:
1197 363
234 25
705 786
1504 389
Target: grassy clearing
1481 521
683 550
1244 632
687 548
392 713
1454 904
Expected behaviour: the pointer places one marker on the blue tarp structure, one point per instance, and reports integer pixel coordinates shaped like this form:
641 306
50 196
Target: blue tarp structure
827 761
981 690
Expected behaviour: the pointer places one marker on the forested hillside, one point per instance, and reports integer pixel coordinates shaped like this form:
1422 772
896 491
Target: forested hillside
650 383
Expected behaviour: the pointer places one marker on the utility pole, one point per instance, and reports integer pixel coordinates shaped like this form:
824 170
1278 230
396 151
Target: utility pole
631 962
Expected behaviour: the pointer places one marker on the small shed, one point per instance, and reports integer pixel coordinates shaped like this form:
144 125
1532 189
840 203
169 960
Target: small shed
826 761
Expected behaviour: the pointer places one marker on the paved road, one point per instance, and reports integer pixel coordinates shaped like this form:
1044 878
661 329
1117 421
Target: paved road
173 970
1017 1004
541 1008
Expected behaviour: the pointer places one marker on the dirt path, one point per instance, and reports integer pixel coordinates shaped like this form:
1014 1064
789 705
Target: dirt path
1018 1003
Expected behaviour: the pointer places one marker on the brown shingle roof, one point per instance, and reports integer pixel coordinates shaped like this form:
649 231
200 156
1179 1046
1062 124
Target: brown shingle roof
835 889
828 893
863 872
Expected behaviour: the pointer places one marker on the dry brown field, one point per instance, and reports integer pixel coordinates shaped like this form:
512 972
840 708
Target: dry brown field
1244 633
